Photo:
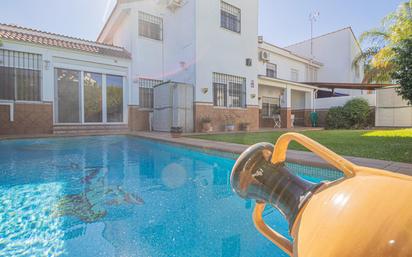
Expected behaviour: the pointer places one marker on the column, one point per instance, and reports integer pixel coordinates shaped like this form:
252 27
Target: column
286 108
309 102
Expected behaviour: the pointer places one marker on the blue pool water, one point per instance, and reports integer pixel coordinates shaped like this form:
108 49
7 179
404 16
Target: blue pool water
123 196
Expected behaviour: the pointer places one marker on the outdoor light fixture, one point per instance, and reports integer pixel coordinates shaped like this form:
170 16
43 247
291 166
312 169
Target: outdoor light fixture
205 90
252 96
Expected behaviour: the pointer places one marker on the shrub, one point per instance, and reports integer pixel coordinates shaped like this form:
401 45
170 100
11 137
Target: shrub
355 114
358 113
336 119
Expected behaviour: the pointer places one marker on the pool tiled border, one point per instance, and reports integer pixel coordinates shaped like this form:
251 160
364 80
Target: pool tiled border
232 150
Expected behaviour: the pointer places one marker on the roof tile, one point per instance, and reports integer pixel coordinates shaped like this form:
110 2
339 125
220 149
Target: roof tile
12 32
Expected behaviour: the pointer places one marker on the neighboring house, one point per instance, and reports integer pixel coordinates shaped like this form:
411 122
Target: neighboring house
280 91
336 51
57 83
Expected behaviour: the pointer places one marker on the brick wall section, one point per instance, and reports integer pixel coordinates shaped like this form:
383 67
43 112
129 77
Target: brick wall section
250 115
285 114
302 117
138 119
28 119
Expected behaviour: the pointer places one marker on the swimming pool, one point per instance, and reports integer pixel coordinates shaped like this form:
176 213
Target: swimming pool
125 196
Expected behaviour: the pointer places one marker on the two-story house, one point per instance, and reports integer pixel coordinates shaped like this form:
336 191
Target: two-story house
209 44
54 83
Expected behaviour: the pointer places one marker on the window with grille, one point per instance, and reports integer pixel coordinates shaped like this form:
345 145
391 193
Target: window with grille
20 76
271 70
270 106
150 26
294 75
230 17
229 91
146 97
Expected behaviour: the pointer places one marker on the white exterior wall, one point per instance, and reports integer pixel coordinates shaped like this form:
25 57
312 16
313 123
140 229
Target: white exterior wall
336 51
221 50
285 62
392 110
173 58
75 60
329 102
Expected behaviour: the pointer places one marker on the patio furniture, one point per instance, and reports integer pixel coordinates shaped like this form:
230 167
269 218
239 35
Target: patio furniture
278 121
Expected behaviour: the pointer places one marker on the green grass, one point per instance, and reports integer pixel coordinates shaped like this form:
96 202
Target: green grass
391 145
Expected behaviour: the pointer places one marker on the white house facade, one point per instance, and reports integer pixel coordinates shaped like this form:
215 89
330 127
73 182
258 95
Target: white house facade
48 80
212 45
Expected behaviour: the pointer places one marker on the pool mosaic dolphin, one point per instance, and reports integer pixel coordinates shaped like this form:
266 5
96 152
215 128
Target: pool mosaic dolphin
89 205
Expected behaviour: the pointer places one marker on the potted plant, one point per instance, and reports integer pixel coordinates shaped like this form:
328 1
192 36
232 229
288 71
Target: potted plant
176 132
229 122
206 124
245 126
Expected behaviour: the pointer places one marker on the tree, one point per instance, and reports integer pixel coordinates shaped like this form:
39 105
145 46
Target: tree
379 55
403 72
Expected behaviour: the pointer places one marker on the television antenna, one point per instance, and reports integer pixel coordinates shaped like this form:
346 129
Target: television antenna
313 17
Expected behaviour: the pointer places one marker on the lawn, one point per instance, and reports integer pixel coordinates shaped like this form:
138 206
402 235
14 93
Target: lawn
392 145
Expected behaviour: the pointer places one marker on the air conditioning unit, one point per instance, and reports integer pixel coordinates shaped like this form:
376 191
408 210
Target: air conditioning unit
174 4
264 56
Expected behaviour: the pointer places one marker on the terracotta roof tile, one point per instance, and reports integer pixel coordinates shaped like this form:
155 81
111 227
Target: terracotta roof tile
12 32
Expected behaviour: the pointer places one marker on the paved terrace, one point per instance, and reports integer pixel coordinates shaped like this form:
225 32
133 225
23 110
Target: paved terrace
299 157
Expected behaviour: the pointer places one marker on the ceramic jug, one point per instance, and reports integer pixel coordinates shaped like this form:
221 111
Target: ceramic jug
366 213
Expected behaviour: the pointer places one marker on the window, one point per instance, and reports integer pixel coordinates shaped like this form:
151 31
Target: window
271 70
270 106
114 98
312 74
230 17
20 76
150 26
146 92
68 96
294 75
229 91
93 97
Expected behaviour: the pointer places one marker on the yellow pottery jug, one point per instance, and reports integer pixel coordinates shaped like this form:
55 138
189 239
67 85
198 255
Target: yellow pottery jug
368 213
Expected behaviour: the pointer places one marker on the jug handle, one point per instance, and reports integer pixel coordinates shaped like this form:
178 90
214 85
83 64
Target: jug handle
279 240
340 163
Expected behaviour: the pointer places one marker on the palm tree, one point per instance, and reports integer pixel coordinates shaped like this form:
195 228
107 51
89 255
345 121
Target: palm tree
378 56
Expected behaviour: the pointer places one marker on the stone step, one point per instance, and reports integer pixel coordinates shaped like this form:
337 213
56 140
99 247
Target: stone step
90 129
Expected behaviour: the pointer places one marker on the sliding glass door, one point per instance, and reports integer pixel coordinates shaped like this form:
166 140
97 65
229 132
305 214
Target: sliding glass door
68 96
114 98
87 97
93 88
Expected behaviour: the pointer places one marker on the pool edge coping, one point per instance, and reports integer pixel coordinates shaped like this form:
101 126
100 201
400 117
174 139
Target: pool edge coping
293 156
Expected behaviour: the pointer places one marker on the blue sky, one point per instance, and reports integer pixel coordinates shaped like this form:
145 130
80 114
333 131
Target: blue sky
281 22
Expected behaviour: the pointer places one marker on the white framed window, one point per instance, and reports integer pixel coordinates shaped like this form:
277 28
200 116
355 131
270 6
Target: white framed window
271 70
312 74
270 106
294 75
150 26
229 91
230 17
146 98
20 76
